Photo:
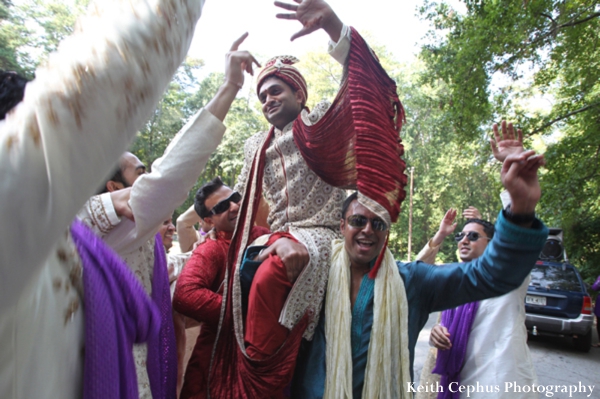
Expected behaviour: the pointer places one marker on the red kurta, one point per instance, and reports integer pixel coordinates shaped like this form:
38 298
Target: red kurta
199 295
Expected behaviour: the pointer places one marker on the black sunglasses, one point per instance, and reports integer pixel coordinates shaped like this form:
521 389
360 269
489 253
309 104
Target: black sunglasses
224 205
471 236
360 221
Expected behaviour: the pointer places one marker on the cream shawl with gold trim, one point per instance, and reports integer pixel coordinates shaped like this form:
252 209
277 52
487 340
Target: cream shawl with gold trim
388 357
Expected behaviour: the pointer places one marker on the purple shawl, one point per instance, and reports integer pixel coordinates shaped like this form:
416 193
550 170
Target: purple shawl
162 349
118 313
450 362
596 287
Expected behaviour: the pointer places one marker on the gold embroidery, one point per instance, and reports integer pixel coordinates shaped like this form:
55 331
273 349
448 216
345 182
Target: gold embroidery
10 141
62 255
71 310
51 114
75 274
98 215
34 131
57 284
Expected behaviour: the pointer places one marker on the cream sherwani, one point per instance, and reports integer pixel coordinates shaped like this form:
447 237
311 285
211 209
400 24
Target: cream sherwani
302 204
76 119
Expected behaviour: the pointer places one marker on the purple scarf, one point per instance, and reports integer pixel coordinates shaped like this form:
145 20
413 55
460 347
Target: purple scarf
162 349
450 362
118 313
596 287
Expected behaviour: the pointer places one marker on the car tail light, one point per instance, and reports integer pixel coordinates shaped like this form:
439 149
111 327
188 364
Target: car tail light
587 305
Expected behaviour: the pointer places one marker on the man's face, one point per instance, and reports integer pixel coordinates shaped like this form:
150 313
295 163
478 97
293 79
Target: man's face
469 250
280 104
131 168
166 233
223 221
362 244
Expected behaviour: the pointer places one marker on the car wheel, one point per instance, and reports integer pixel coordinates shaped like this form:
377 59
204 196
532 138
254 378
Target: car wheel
583 343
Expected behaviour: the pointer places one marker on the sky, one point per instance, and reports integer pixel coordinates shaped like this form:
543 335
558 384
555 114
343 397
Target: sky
394 24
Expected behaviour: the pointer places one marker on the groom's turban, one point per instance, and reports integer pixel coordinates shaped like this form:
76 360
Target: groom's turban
282 67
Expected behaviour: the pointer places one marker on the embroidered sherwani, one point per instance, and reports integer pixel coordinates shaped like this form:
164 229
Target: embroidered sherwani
302 204
154 196
76 119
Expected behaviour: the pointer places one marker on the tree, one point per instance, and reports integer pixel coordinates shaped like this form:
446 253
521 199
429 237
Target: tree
177 105
530 49
13 36
448 173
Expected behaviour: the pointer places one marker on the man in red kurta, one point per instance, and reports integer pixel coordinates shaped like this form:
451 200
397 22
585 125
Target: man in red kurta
199 288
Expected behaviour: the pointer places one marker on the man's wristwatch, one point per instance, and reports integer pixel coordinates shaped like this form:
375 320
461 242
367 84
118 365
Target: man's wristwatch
518 218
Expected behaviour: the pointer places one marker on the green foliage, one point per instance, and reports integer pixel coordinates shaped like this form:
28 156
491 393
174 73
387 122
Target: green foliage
448 99
13 36
447 172
497 56
177 105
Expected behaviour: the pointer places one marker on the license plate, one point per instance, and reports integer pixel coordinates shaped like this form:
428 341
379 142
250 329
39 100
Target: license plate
535 300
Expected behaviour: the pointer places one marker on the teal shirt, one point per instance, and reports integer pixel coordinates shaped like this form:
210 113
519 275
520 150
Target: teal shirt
507 260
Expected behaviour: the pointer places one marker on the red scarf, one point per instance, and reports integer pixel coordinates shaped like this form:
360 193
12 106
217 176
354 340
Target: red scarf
355 145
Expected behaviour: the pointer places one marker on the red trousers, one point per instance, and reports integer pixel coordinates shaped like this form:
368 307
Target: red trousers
268 293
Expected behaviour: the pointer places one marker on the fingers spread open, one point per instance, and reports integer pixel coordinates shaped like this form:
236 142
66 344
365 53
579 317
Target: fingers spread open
494 146
286 16
495 131
286 6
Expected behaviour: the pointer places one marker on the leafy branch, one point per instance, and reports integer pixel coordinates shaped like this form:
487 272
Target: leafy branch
565 116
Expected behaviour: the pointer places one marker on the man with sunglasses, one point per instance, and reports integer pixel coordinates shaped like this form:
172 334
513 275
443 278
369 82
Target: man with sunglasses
152 198
484 344
364 342
299 168
199 290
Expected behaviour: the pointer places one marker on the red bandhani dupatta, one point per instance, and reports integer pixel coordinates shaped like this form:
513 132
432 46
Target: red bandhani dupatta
355 145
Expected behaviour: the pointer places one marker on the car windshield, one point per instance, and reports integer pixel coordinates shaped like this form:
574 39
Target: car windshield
555 278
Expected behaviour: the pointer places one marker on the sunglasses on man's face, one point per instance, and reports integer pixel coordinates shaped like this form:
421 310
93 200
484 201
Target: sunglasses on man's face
360 221
224 205
471 236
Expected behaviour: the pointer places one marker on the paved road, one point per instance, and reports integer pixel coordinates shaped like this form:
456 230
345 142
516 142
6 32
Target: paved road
554 359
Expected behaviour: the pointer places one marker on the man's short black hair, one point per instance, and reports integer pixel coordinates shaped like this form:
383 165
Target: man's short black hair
488 228
117 176
347 203
203 193
12 91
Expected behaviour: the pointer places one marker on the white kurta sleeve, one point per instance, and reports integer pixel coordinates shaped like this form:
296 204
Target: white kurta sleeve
155 195
428 253
186 232
340 50
76 119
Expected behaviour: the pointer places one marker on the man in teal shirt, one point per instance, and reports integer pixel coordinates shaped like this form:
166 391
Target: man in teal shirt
507 260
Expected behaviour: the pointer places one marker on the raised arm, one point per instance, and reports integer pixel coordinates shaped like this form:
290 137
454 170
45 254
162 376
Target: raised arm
154 196
447 227
315 15
186 232
76 119
513 251
507 260
510 142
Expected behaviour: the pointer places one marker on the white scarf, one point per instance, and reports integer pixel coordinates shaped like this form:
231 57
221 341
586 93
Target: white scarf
387 368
